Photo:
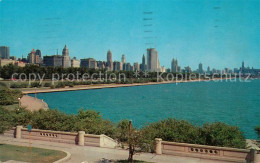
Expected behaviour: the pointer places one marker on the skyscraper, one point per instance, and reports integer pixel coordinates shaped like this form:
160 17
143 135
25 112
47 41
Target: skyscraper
38 56
123 59
208 70
109 61
31 57
117 66
201 71
143 65
4 52
152 60
136 66
174 65
66 62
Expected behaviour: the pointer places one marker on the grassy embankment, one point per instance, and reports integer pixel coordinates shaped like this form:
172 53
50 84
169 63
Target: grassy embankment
21 153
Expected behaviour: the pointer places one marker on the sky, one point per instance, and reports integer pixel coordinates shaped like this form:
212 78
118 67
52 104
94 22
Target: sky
219 33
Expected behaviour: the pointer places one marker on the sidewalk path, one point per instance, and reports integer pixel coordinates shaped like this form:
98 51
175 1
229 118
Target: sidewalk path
33 104
89 154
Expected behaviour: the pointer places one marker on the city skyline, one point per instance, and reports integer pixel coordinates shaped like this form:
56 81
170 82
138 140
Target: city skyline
218 38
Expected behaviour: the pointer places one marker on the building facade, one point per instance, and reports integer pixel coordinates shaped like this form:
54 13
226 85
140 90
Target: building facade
153 63
136 66
66 61
53 61
88 63
4 52
174 65
117 66
75 62
109 65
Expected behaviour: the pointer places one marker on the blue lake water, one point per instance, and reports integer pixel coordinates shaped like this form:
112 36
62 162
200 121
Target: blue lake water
234 103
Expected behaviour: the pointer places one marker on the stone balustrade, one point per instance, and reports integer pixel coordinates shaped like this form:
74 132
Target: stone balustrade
206 152
79 138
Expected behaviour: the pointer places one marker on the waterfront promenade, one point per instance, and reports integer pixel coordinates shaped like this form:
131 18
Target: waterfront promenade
100 86
87 154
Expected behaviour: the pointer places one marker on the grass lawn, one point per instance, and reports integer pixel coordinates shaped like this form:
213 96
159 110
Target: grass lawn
20 153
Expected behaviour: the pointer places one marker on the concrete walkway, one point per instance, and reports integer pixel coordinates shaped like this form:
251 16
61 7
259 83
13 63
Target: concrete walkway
33 104
89 154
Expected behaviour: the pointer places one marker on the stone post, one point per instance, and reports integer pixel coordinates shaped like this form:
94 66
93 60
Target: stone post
158 146
81 137
256 156
18 132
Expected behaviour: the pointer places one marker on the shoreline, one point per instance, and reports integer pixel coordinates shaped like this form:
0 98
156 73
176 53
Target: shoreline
102 86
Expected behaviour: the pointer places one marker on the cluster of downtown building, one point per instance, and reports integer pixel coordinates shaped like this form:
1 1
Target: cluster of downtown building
149 63
65 61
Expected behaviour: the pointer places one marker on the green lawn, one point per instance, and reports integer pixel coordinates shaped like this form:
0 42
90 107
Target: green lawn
20 153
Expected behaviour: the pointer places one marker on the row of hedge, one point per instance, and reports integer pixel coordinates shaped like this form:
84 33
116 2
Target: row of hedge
216 134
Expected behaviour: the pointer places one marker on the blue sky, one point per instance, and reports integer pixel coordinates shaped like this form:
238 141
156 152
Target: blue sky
191 30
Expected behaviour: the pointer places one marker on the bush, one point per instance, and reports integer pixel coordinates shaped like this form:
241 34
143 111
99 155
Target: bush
35 84
47 84
19 85
215 134
9 97
6 120
60 85
220 134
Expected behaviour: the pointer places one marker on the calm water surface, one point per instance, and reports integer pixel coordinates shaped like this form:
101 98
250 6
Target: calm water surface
235 103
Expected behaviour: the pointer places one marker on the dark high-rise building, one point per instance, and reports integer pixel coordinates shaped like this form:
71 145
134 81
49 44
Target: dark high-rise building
174 65
53 61
143 65
88 63
38 52
201 71
4 52
38 56
117 66
109 61
101 65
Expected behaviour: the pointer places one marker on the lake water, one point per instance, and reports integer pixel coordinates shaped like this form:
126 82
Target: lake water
234 103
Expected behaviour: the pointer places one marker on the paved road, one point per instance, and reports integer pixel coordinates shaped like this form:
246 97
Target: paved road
88 154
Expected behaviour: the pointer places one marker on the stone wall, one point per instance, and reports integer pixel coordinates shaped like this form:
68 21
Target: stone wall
205 152
79 138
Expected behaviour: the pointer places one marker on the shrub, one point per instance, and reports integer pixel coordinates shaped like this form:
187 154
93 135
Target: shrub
6 120
257 130
35 84
60 85
215 134
19 85
9 97
47 84
220 134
